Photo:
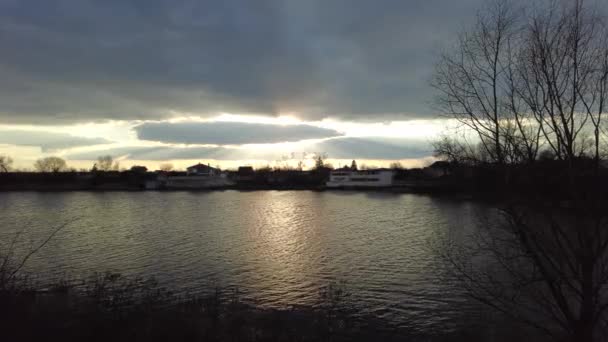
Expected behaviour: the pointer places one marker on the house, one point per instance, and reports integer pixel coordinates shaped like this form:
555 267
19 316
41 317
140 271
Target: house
347 177
202 170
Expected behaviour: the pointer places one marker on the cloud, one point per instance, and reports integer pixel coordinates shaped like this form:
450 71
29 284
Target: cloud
172 153
375 148
229 133
338 148
81 60
47 141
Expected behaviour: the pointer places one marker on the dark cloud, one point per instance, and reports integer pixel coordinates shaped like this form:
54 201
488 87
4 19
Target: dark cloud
229 133
47 141
82 60
338 148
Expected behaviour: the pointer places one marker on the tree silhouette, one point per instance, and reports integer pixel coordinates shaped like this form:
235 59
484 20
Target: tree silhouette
5 163
50 164
522 80
166 167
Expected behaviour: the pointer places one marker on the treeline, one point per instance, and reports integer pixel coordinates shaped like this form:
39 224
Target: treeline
57 164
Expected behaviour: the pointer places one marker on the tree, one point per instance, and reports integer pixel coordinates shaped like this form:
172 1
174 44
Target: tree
138 169
524 78
524 84
563 72
106 163
396 166
166 167
472 80
353 165
320 161
50 164
543 263
5 163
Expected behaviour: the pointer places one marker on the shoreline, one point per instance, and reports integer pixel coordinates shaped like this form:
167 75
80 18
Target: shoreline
393 189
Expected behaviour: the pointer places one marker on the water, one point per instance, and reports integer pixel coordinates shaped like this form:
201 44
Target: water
280 248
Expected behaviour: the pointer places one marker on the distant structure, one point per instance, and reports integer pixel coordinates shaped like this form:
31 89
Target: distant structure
346 177
199 176
202 170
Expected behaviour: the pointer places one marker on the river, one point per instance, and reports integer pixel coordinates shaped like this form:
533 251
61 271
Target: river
279 248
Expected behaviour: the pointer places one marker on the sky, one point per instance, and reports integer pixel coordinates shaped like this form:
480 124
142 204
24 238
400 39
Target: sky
231 82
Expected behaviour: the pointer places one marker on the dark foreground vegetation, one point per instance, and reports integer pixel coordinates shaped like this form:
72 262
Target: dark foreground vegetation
108 307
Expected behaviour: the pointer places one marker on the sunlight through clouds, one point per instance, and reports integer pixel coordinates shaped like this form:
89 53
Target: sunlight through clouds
400 140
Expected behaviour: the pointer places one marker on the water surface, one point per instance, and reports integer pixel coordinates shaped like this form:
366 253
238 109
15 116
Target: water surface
280 248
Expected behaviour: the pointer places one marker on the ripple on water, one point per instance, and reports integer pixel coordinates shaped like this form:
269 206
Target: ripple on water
278 248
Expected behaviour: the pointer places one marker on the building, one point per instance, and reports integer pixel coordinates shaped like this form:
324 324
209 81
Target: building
203 170
348 178
199 176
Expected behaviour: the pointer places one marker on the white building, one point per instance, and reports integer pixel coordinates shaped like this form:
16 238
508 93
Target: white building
345 178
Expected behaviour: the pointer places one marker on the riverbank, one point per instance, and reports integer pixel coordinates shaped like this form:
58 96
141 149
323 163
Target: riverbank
126 181
109 307
316 180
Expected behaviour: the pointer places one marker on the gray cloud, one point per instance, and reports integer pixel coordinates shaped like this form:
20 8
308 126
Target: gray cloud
82 60
171 153
375 148
229 133
47 141
338 148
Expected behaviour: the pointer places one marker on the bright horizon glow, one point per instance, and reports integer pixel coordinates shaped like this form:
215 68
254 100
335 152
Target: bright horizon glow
122 135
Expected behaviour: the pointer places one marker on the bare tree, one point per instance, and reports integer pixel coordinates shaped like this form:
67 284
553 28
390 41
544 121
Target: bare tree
107 163
546 261
50 164
472 78
166 167
458 151
525 78
5 163
320 162
544 264
396 166
564 75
